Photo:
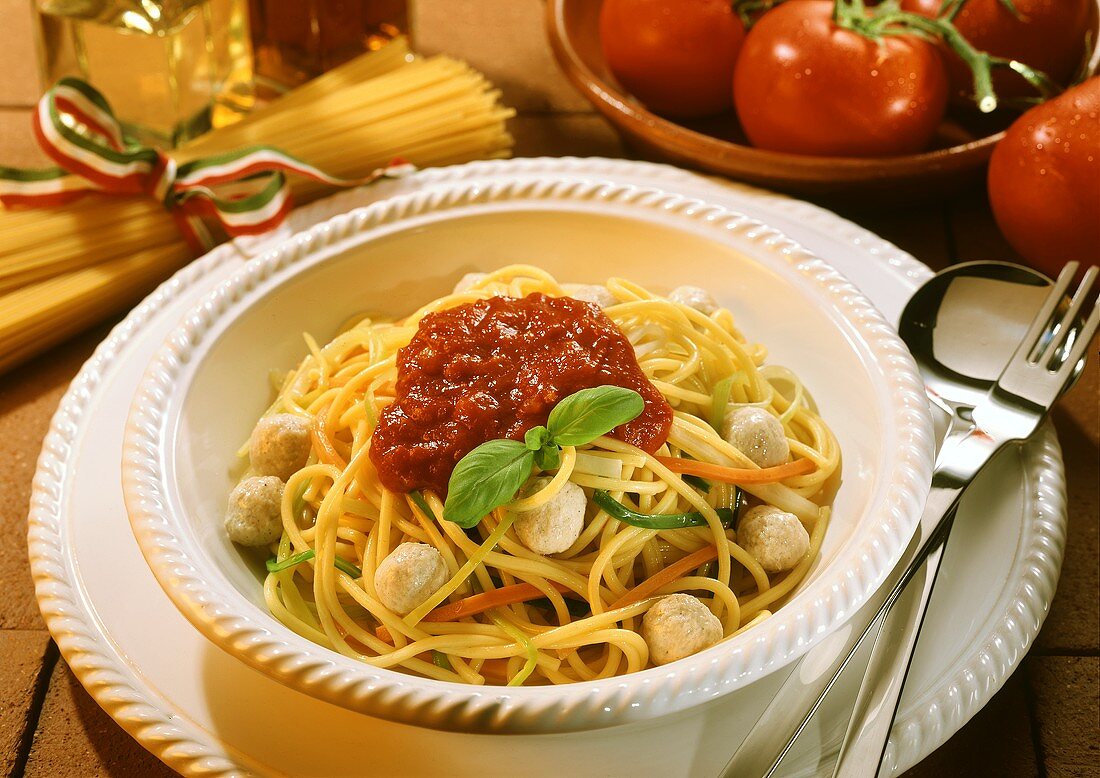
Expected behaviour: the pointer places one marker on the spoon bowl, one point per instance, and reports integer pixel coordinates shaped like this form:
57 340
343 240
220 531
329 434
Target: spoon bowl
963 326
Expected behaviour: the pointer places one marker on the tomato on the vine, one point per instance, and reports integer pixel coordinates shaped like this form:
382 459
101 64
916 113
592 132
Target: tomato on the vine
805 84
1048 35
676 56
1044 180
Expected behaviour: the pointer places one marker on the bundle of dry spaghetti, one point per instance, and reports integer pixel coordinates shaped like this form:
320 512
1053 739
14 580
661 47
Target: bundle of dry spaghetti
66 267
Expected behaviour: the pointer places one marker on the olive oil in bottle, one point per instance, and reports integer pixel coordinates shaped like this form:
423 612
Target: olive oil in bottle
295 40
171 69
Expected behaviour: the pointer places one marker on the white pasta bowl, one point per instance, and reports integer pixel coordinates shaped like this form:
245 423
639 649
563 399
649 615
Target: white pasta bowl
209 383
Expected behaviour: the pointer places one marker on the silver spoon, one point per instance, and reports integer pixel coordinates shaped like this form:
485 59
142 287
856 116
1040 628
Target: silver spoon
963 327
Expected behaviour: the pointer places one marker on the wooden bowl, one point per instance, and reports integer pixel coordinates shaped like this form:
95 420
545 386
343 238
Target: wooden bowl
961 148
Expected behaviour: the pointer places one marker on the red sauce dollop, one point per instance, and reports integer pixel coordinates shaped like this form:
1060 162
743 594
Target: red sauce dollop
494 369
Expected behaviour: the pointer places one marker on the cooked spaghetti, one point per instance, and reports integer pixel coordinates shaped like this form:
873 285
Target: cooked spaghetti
615 555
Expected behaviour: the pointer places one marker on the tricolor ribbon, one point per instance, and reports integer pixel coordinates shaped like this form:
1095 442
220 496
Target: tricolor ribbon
76 127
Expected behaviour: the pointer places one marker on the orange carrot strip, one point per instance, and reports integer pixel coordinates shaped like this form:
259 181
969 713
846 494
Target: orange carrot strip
664 577
495 670
508 595
479 603
737 475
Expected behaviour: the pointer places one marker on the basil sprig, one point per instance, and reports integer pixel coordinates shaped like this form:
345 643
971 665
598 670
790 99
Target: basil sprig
585 415
491 474
617 510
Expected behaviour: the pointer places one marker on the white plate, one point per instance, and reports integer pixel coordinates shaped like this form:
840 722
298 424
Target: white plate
202 712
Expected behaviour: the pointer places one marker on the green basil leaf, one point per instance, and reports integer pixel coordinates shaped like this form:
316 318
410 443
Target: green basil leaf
585 415
536 438
486 478
548 457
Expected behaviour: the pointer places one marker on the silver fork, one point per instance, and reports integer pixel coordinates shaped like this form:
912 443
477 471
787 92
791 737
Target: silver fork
1044 364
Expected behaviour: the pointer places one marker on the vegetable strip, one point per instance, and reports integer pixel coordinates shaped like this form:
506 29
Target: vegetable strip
617 510
720 403
737 475
275 566
666 576
479 603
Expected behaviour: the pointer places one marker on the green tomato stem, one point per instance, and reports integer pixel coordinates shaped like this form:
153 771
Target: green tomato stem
950 9
746 8
1037 78
888 19
980 63
1011 6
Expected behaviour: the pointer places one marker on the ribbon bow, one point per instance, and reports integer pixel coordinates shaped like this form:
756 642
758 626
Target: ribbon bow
76 127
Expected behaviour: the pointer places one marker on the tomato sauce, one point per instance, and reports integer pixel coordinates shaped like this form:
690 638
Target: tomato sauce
494 369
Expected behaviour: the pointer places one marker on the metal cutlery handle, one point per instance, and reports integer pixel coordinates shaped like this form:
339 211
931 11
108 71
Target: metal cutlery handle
816 673
868 733
963 453
1047 362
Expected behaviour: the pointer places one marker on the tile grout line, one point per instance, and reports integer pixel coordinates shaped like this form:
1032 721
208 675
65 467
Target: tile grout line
34 713
1068 653
1033 722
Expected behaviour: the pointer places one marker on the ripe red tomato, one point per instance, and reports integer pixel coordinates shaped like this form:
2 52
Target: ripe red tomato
1049 35
805 85
1044 180
676 56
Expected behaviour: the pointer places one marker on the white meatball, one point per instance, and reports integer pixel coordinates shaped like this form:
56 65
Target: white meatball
758 435
774 538
556 525
279 445
412 573
590 293
468 281
694 297
253 516
679 625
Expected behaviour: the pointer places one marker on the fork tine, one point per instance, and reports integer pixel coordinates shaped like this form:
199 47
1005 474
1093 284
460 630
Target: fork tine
1063 330
1032 344
1084 338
